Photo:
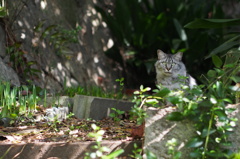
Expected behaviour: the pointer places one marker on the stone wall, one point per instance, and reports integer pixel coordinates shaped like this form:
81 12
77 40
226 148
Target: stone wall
159 130
81 63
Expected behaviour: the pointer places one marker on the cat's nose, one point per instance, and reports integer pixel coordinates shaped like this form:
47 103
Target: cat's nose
168 69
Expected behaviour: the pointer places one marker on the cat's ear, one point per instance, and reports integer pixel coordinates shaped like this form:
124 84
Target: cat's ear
178 56
161 54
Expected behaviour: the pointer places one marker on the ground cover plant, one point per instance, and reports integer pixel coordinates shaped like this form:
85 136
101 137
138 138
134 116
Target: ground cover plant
95 91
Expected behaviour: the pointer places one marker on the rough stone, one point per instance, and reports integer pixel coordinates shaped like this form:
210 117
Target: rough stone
97 108
159 130
234 138
56 113
7 74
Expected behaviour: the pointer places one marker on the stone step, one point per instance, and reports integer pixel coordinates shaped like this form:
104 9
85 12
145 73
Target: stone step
74 150
97 108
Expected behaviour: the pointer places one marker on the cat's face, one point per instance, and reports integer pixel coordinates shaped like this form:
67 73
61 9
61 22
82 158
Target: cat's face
169 63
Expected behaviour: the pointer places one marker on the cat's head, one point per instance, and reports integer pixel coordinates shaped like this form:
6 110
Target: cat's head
169 63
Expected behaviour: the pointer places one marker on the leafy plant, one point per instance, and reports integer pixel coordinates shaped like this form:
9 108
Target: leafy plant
100 150
17 101
204 105
3 11
121 83
57 36
90 91
231 38
141 99
20 63
235 156
137 152
139 28
172 144
226 56
116 114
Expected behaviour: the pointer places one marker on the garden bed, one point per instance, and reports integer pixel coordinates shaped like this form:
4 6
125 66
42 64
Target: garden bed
66 139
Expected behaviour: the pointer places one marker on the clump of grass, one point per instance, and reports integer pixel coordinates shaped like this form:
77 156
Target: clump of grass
16 101
91 91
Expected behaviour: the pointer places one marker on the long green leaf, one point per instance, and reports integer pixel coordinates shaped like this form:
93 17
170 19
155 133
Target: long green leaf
180 30
212 23
113 154
194 142
225 46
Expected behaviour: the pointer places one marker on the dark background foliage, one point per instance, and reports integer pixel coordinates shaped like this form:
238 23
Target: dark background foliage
139 28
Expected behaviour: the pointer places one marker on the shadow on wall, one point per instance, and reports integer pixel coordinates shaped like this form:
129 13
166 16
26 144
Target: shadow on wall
65 41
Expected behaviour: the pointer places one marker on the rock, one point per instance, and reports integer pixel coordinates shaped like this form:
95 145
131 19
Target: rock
5 122
56 113
234 137
7 74
159 130
97 108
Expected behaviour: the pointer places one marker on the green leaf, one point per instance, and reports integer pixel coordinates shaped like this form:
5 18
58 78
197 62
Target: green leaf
211 73
205 132
163 92
221 115
175 116
146 89
236 79
220 89
217 61
95 127
150 155
113 154
151 101
194 142
212 23
174 100
180 30
195 154
213 100
225 46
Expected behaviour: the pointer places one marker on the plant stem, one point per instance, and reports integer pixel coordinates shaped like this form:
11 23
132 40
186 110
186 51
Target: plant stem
207 137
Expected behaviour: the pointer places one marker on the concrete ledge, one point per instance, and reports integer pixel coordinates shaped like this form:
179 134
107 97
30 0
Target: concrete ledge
97 108
74 150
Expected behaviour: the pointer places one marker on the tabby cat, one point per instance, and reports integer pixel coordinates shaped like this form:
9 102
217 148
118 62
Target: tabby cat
171 71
